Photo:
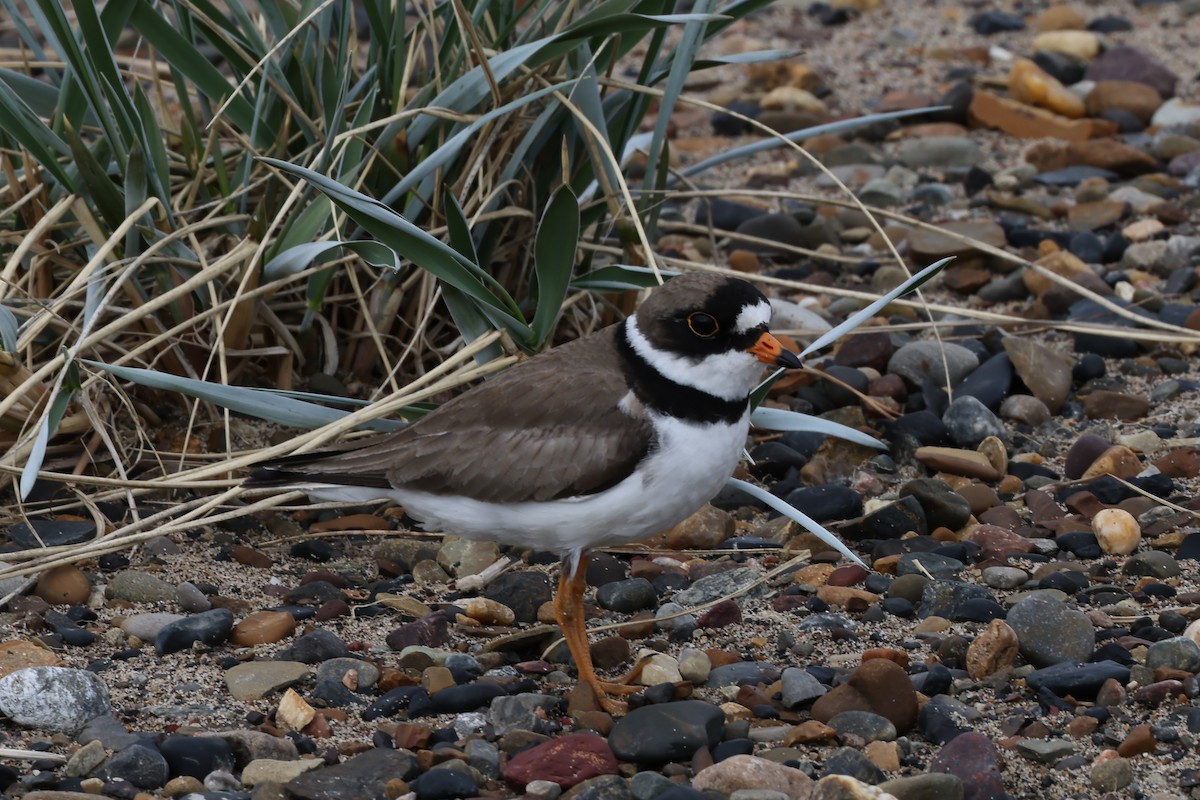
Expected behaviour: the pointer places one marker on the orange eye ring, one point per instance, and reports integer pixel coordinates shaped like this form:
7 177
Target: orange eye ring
703 324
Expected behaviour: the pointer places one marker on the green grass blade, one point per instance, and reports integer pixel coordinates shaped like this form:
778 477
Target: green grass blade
10 329
840 126
858 317
791 512
554 259
24 126
271 406
619 278
780 419
429 253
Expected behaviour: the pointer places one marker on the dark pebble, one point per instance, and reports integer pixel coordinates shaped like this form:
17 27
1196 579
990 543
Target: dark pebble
943 507
314 648
989 383
429 631
443 784
944 598
726 215
141 765
1077 680
522 591
667 732
468 697
210 627
828 502
50 533
728 125
1109 24
627 596
196 755
1087 246
391 702
317 550
364 775
848 761
979 609
891 521
992 22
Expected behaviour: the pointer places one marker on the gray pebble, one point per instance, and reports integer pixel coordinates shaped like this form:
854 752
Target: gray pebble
55 699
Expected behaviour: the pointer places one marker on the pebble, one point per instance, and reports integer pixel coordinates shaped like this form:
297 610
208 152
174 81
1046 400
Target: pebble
878 686
209 627
1117 531
256 679
994 650
627 596
262 627
66 585
56 699
750 772
918 361
139 587
666 732
364 775
1050 632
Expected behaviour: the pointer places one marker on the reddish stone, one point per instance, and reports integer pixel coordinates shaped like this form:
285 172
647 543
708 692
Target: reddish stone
1158 693
974 759
878 685
430 631
1140 740
251 557
1000 540
847 576
724 613
1182 462
567 760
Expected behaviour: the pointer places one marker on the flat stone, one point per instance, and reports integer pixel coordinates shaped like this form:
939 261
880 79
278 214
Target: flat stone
254 680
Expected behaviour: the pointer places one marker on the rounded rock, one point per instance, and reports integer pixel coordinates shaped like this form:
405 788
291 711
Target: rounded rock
56 699
65 585
1050 632
1117 531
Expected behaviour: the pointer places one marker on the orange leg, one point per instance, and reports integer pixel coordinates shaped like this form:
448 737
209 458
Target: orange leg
568 609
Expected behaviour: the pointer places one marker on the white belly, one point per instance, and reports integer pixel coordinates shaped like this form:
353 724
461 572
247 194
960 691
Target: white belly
690 465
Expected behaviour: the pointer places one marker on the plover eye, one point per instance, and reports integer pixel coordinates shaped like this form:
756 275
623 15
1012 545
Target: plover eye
703 325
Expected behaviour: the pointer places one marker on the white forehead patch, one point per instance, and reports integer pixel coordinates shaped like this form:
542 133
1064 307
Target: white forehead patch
752 317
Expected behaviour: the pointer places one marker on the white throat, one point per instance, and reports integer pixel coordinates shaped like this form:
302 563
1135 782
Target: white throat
725 375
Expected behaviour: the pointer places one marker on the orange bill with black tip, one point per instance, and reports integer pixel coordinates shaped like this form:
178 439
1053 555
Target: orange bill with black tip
769 350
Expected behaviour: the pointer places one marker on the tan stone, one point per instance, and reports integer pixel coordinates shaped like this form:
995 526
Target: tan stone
988 110
18 654
293 712
993 650
1136 98
1059 18
1029 83
809 732
792 98
489 612
968 463
1084 45
846 597
1123 159
65 585
1142 230
751 772
813 574
1119 461
1117 531
885 755
262 627
1060 263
